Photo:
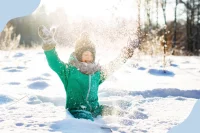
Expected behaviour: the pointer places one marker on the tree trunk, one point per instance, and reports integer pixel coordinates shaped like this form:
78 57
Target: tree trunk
188 29
156 13
148 14
198 26
174 38
139 24
163 4
192 27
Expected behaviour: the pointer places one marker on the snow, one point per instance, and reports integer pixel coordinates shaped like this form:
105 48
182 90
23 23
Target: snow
32 97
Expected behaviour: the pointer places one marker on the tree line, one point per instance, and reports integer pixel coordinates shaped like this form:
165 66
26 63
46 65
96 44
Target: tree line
180 33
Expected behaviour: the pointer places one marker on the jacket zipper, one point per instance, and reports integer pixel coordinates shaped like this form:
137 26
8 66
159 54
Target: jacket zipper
90 78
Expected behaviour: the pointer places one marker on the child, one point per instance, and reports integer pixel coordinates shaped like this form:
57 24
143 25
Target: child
81 76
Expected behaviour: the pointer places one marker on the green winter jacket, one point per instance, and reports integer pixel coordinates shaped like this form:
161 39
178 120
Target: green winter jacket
81 89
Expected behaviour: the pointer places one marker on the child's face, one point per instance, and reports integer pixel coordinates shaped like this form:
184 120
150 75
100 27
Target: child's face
87 57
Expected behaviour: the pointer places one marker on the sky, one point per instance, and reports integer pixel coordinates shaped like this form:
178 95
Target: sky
106 8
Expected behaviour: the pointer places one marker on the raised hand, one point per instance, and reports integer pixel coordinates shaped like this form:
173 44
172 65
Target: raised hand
48 37
128 51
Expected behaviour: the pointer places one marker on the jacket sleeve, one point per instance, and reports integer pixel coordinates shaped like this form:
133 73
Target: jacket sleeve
57 65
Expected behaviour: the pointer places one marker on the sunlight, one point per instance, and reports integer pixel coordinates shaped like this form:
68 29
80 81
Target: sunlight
93 8
104 9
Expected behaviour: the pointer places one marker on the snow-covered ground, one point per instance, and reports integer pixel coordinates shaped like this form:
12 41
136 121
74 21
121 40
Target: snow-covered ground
32 97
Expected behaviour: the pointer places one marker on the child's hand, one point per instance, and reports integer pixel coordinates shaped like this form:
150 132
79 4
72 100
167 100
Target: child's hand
48 37
45 34
133 44
127 52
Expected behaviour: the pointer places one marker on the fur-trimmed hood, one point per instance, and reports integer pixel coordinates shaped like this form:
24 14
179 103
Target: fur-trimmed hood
86 68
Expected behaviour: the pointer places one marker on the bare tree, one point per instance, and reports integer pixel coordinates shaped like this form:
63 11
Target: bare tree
148 13
156 13
175 18
192 7
163 5
139 24
198 25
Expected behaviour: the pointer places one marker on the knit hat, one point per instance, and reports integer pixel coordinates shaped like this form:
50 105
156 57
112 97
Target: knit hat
84 44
